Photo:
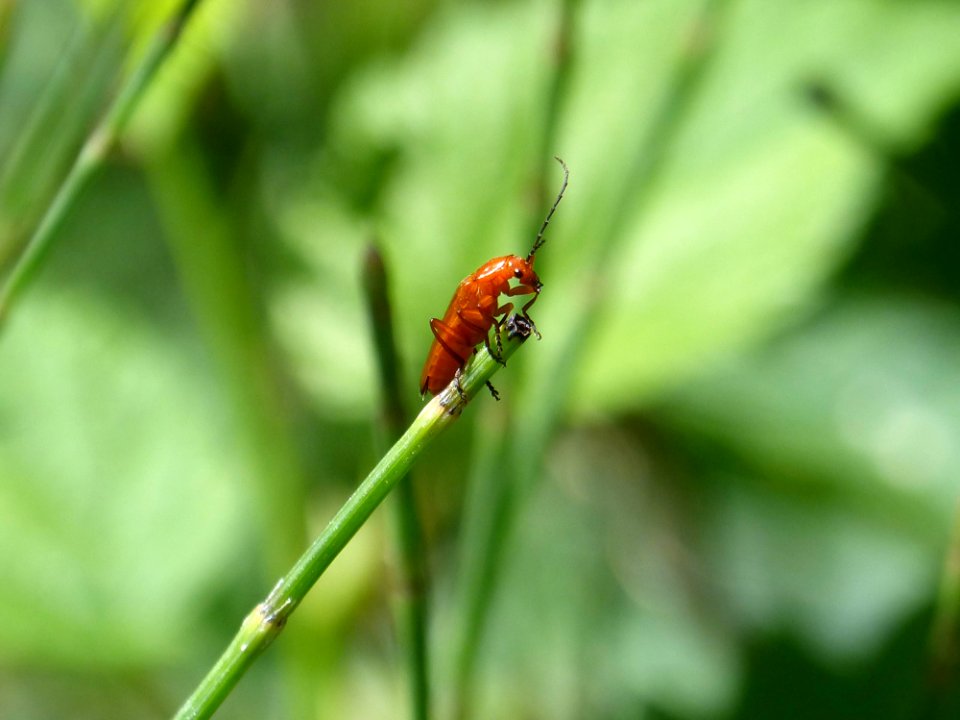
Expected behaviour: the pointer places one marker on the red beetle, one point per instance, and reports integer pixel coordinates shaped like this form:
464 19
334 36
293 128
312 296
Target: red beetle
475 309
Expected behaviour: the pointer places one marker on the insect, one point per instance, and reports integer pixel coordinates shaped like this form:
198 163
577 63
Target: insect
475 309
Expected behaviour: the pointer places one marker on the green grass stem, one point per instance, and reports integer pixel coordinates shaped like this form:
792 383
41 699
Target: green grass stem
48 137
92 156
267 619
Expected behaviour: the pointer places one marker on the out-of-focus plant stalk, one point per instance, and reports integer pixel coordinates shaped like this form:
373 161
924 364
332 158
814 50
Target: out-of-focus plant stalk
562 62
492 489
48 128
945 635
92 155
201 233
268 618
519 457
411 600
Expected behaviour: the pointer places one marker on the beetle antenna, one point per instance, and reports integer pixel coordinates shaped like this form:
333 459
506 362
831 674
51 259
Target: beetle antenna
538 243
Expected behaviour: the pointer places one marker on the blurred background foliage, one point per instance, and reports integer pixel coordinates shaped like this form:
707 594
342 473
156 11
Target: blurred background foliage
723 484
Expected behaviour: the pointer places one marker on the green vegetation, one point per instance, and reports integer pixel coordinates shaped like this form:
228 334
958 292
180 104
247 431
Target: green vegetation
723 485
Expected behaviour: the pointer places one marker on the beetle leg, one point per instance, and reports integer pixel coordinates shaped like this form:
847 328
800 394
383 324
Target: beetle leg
503 310
498 355
525 308
519 290
460 392
463 397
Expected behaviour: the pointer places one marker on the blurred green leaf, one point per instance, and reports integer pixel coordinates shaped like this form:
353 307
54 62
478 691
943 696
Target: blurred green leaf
319 315
849 426
119 493
607 613
761 195
863 402
832 576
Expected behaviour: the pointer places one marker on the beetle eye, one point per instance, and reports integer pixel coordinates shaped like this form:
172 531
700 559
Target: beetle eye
518 273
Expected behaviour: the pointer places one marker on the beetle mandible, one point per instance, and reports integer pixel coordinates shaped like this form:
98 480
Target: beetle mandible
475 309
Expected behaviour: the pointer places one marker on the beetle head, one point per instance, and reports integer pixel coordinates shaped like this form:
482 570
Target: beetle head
523 272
